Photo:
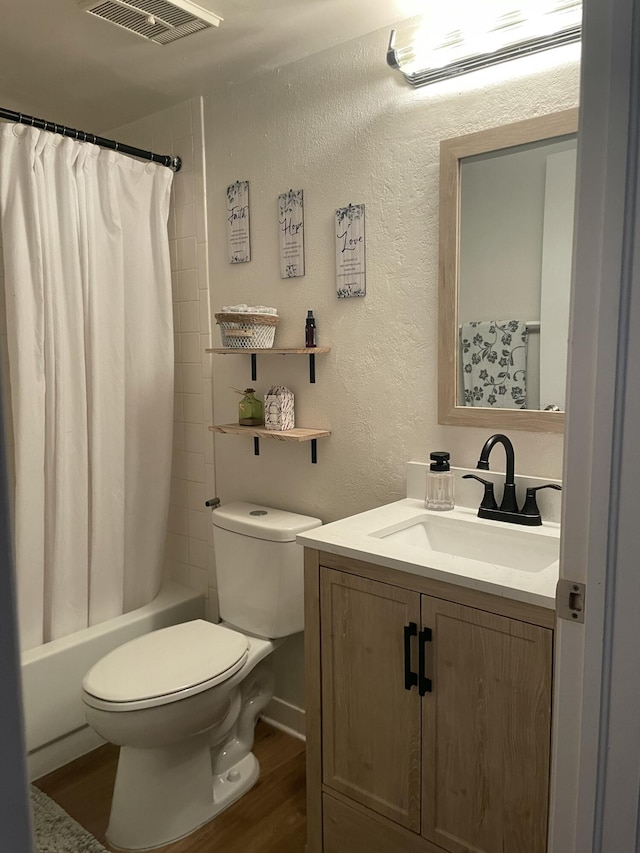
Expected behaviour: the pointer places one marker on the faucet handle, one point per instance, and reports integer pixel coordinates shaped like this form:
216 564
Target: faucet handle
488 499
531 505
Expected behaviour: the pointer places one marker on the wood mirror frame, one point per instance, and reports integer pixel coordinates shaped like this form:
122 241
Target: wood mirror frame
452 151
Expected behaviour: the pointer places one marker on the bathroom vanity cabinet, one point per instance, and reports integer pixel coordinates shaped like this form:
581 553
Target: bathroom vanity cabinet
463 767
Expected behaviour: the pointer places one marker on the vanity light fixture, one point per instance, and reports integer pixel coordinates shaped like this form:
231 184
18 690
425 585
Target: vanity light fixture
425 55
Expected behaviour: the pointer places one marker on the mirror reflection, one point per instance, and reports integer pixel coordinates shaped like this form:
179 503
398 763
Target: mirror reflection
516 230
506 237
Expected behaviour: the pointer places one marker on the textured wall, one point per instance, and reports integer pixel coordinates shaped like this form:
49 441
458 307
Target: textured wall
345 128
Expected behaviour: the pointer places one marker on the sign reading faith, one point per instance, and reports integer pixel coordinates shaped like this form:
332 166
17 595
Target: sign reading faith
351 279
291 227
238 237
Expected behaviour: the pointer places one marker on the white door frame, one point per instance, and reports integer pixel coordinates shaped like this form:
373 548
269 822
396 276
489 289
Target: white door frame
596 769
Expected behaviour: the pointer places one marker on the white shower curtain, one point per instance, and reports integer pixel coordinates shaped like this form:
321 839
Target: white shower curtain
90 335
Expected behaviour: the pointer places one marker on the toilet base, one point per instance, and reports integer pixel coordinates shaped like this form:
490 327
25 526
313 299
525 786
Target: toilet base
230 786
164 793
137 822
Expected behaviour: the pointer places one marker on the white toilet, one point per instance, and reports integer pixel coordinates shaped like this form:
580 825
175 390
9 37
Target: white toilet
182 701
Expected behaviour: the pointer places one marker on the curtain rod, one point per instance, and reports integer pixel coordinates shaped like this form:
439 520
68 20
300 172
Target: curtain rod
173 163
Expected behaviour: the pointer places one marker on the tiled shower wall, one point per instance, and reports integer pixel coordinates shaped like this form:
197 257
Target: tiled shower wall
189 548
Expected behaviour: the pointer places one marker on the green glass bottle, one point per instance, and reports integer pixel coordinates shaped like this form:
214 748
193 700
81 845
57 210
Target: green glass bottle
250 411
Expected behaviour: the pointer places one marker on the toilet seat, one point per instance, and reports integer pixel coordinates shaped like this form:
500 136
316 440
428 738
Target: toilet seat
165 666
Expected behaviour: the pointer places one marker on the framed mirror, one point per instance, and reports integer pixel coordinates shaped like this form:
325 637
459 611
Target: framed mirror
506 228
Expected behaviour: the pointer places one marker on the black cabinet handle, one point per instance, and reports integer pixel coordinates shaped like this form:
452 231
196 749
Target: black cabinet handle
410 678
424 683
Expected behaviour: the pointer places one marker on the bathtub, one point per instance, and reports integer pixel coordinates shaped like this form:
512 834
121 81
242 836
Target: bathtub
55 728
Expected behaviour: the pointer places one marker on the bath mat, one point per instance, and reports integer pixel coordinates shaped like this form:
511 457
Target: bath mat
54 831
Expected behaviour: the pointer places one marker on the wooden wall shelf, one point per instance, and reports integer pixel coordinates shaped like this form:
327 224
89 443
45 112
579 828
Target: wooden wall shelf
295 435
254 352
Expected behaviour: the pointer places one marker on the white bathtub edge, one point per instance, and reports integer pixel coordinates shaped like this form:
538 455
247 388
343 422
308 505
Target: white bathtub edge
54 755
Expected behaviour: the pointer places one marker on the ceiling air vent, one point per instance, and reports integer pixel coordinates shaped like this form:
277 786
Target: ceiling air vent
157 20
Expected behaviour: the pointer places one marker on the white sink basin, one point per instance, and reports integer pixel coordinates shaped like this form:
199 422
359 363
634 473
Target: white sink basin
521 563
500 545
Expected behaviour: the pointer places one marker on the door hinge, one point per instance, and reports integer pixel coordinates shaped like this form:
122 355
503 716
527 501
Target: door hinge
570 599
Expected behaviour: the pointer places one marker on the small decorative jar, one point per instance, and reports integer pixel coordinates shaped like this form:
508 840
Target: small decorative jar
250 409
278 408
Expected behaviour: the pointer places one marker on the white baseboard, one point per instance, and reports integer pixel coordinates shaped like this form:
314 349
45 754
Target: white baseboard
59 752
288 718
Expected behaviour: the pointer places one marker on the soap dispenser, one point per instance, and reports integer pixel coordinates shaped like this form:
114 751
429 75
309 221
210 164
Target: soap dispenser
439 494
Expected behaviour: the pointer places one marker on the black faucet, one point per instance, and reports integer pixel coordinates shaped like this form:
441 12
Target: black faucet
508 510
509 502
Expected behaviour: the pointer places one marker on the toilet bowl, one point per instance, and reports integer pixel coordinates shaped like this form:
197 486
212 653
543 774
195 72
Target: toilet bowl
182 702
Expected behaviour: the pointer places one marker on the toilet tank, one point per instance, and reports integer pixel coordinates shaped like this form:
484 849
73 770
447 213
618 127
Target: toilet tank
260 568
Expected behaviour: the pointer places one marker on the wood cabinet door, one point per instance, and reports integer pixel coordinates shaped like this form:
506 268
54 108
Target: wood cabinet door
371 738
486 731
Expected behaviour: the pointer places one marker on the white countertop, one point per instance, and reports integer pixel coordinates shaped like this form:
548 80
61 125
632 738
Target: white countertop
353 537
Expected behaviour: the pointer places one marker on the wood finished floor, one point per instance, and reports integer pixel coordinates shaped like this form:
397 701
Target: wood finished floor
270 818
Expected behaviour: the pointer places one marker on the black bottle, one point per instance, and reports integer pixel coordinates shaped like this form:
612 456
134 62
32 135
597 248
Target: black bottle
310 330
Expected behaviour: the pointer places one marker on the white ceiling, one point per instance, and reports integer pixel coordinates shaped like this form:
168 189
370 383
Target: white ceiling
60 63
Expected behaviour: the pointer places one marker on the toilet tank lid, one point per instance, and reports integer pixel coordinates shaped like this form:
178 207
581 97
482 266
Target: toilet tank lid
262 522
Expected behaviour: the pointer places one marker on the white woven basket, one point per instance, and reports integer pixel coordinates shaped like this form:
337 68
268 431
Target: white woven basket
247 331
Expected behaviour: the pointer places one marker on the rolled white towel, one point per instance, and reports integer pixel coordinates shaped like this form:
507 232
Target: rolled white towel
246 309
262 309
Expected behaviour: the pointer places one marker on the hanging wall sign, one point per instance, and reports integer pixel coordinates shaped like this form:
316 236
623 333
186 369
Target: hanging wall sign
291 227
238 237
351 277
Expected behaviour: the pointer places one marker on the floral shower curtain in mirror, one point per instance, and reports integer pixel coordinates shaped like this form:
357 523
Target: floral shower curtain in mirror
494 363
